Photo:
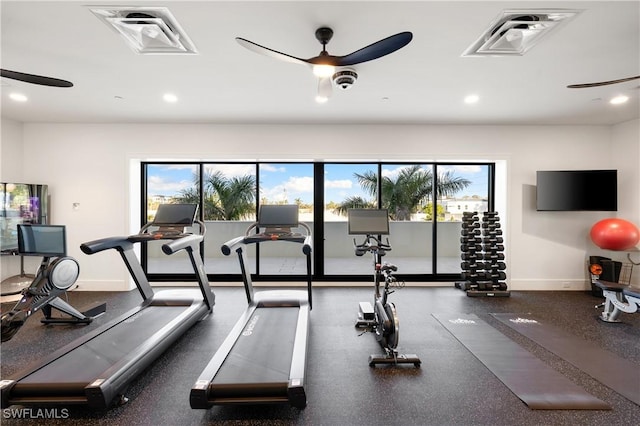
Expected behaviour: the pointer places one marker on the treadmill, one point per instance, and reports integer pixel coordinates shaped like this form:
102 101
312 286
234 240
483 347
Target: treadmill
96 369
263 359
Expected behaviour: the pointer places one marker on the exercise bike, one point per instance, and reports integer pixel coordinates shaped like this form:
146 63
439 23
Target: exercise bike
381 318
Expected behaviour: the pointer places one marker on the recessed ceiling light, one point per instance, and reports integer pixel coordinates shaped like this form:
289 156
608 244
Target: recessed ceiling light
619 100
18 97
471 99
170 97
321 99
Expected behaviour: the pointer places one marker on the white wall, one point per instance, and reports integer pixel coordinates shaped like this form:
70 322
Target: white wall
91 164
11 158
625 150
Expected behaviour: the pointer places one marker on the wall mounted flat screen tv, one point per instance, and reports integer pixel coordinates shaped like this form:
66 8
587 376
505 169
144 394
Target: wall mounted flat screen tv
577 190
20 203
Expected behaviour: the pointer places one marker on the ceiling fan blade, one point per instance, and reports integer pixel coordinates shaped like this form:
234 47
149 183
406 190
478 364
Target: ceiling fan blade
376 50
35 79
254 47
325 89
602 83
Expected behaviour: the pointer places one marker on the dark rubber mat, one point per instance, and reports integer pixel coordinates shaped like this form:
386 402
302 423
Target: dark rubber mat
619 374
534 382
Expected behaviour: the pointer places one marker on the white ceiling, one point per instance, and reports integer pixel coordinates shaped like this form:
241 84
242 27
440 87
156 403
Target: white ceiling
425 82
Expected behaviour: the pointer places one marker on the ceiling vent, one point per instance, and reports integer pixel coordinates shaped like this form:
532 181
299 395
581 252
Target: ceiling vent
147 30
514 31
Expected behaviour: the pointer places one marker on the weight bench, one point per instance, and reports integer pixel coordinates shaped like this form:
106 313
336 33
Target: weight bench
618 298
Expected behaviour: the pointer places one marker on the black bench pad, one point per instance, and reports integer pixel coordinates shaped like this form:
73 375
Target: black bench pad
611 286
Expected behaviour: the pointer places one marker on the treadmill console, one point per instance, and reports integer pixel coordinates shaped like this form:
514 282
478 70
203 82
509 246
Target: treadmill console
170 222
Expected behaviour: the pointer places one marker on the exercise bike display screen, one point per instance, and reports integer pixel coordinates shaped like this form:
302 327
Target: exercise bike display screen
42 240
368 221
175 214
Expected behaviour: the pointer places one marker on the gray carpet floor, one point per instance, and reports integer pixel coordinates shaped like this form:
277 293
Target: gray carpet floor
451 388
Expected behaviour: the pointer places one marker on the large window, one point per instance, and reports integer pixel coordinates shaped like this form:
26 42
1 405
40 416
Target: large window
286 183
344 188
425 202
463 187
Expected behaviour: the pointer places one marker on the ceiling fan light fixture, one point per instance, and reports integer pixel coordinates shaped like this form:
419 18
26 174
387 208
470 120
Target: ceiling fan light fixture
514 32
321 70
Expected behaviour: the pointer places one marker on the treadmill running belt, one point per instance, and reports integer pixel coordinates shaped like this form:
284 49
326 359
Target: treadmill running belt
262 353
86 362
534 382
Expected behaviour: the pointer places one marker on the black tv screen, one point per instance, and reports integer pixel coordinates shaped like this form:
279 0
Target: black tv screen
577 190
42 240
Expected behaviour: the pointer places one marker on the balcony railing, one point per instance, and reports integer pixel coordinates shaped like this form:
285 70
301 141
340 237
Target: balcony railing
411 242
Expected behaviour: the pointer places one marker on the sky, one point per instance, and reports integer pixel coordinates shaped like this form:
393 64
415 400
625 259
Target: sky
291 181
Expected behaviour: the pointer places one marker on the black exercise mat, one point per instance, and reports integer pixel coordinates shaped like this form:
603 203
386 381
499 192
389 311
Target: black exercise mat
530 379
621 375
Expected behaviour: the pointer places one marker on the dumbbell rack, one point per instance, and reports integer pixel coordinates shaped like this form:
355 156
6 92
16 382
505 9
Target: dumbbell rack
483 267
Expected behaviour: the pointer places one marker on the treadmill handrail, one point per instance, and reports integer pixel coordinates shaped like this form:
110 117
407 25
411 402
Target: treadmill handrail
229 245
181 243
96 246
248 238
308 245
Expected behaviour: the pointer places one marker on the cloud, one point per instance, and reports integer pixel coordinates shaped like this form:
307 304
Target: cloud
158 186
393 173
233 170
343 183
462 168
271 168
300 184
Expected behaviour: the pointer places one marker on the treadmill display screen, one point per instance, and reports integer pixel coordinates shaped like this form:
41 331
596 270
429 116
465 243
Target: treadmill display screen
278 215
368 221
42 240
175 214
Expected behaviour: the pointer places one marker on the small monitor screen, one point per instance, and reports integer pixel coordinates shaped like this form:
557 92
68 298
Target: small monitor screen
175 214
42 240
278 215
368 221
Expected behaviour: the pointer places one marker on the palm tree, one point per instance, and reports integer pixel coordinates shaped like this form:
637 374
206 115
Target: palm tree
224 198
403 195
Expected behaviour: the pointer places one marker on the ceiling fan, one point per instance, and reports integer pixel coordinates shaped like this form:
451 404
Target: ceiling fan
602 83
35 79
325 65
